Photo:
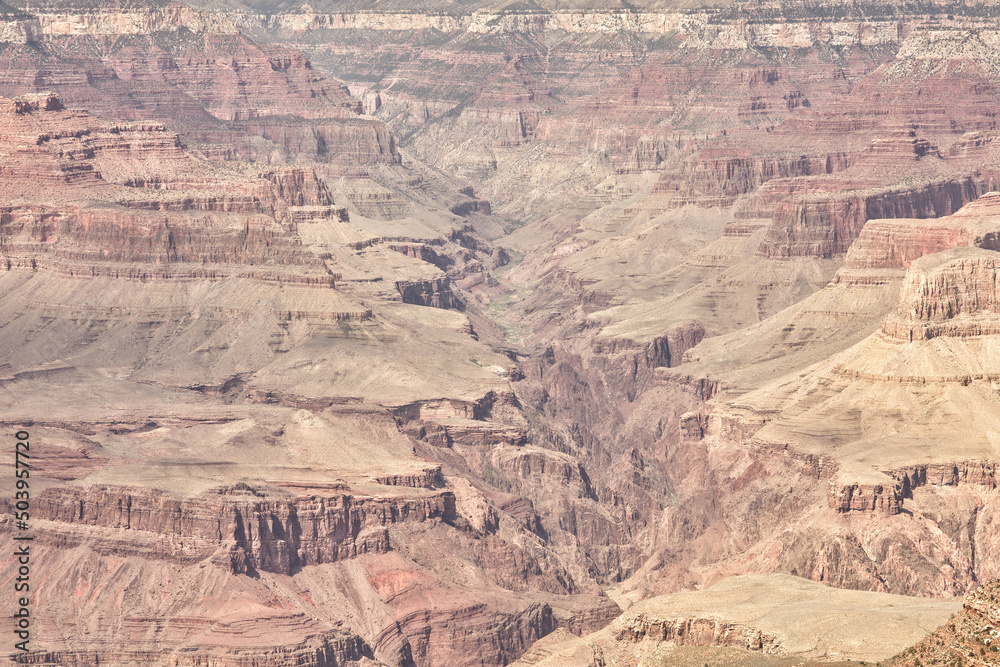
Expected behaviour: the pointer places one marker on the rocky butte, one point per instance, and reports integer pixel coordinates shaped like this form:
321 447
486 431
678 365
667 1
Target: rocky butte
489 333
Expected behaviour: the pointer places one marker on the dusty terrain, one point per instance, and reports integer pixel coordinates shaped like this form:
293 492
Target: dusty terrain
425 333
215 412
772 617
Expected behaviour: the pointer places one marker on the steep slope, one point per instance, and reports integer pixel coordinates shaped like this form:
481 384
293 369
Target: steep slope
968 638
893 430
255 249
182 340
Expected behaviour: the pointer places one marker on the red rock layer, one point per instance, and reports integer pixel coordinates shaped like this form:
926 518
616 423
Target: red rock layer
248 533
822 225
435 293
891 244
222 89
952 293
334 649
174 209
866 498
980 473
731 172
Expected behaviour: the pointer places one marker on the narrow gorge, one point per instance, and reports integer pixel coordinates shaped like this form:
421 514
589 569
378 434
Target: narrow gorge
475 333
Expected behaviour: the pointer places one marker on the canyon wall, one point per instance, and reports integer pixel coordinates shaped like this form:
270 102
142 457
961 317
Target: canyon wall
463 316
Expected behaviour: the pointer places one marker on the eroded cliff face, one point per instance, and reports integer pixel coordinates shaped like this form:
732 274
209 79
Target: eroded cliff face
706 105
187 293
949 294
460 317
969 636
748 618
268 535
810 424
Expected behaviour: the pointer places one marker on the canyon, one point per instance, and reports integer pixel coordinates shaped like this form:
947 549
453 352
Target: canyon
555 333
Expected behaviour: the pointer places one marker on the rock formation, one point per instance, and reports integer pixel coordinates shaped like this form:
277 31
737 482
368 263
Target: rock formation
969 637
749 616
413 330
190 289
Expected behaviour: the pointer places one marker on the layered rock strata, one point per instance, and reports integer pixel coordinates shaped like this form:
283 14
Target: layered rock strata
951 294
685 184
747 619
258 534
192 292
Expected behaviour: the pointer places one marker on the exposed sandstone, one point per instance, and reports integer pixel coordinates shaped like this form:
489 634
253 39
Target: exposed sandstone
618 130
274 536
694 632
839 420
315 651
866 498
750 614
160 250
982 473
436 293
952 293
827 224
721 171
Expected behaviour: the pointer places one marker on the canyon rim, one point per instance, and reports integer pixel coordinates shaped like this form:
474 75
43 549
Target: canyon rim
469 333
